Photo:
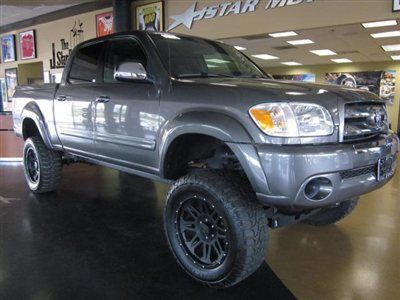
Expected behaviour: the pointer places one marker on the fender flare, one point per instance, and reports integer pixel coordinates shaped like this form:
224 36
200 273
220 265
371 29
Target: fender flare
32 111
220 126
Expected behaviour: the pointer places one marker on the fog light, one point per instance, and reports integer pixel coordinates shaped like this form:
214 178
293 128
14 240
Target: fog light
318 189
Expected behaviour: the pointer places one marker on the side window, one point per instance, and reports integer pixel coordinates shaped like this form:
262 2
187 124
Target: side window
85 63
119 51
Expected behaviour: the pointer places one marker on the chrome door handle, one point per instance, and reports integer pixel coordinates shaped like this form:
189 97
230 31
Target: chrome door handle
103 99
61 98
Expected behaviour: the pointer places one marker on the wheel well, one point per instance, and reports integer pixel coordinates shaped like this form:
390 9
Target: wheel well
29 129
198 151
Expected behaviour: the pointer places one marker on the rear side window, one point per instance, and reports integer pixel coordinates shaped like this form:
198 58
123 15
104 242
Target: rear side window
119 51
84 66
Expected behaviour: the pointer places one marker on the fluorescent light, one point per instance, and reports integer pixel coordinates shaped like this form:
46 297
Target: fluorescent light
217 61
301 42
240 48
341 60
283 34
396 57
380 24
385 34
323 52
170 36
389 48
291 63
265 56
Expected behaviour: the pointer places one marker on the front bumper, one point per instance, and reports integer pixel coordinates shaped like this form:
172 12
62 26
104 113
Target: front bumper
288 170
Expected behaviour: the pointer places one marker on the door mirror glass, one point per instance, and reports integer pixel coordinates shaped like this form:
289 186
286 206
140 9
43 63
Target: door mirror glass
130 71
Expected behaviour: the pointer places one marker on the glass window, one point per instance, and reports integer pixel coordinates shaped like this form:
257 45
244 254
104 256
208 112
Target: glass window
186 56
84 65
119 51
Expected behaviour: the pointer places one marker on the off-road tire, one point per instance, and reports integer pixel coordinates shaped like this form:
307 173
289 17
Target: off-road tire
49 162
246 226
331 215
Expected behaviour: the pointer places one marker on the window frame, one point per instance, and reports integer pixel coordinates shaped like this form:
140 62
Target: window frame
99 62
106 52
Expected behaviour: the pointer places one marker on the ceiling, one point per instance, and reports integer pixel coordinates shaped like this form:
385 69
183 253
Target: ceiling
12 11
348 41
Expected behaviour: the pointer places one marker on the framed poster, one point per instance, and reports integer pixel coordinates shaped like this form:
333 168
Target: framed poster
104 24
11 76
396 5
8 48
150 16
27 44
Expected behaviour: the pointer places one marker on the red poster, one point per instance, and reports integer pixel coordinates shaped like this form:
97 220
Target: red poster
27 44
104 24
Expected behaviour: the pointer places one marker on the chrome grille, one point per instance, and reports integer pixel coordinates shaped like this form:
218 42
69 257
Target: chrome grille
364 120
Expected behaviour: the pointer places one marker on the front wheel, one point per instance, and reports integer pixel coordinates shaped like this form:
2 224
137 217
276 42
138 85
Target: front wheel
217 232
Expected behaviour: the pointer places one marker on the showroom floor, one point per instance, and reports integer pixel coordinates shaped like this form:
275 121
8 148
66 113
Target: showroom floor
100 236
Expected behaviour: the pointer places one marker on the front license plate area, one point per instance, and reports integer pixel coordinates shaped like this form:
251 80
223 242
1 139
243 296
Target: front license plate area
386 167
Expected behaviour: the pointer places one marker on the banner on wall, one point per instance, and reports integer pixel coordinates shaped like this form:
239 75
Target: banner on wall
381 83
298 77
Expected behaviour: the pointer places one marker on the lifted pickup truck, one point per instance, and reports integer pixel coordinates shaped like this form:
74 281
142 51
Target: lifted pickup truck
243 152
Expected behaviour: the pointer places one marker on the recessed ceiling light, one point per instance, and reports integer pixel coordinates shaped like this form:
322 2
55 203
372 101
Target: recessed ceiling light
283 34
291 63
240 48
389 48
323 52
265 56
396 57
301 42
380 24
341 60
385 34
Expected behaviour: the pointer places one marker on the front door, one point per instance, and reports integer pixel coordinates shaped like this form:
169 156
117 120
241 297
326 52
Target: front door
126 113
73 103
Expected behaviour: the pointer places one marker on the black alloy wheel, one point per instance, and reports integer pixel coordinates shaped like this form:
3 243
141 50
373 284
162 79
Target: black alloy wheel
32 166
202 232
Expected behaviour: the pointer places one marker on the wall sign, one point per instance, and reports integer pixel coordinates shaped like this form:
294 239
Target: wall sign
396 5
150 16
60 57
224 9
11 76
27 44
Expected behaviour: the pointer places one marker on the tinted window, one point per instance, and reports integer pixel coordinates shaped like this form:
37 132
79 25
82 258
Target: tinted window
84 65
119 51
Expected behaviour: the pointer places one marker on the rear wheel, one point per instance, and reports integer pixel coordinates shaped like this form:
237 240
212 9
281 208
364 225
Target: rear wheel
42 166
217 233
331 215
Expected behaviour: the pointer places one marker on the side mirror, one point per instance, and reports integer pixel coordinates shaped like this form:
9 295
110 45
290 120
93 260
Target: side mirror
130 71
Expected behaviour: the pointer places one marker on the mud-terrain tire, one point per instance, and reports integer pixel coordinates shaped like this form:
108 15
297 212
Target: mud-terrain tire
331 215
42 166
216 231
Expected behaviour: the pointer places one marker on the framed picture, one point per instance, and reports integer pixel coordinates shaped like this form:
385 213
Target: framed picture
150 16
11 76
27 44
104 24
8 48
396 5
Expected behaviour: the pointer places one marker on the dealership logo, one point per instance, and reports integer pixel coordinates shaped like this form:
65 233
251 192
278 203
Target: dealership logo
224 9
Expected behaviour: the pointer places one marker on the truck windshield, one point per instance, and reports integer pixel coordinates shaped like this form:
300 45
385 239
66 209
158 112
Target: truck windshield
185 57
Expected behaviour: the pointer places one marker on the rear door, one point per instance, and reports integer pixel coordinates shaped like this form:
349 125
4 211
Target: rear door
126 113
73 105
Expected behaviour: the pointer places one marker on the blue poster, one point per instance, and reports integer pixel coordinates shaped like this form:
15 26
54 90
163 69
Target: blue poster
8 48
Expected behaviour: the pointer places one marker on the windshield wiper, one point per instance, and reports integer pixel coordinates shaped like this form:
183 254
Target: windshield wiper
202 75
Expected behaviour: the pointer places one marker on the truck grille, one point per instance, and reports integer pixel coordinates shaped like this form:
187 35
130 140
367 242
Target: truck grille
358 172
364 120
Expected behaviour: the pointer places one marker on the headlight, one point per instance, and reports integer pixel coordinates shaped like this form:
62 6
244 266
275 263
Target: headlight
292 119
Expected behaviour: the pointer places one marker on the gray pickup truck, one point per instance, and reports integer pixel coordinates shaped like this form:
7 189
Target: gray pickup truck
243 152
